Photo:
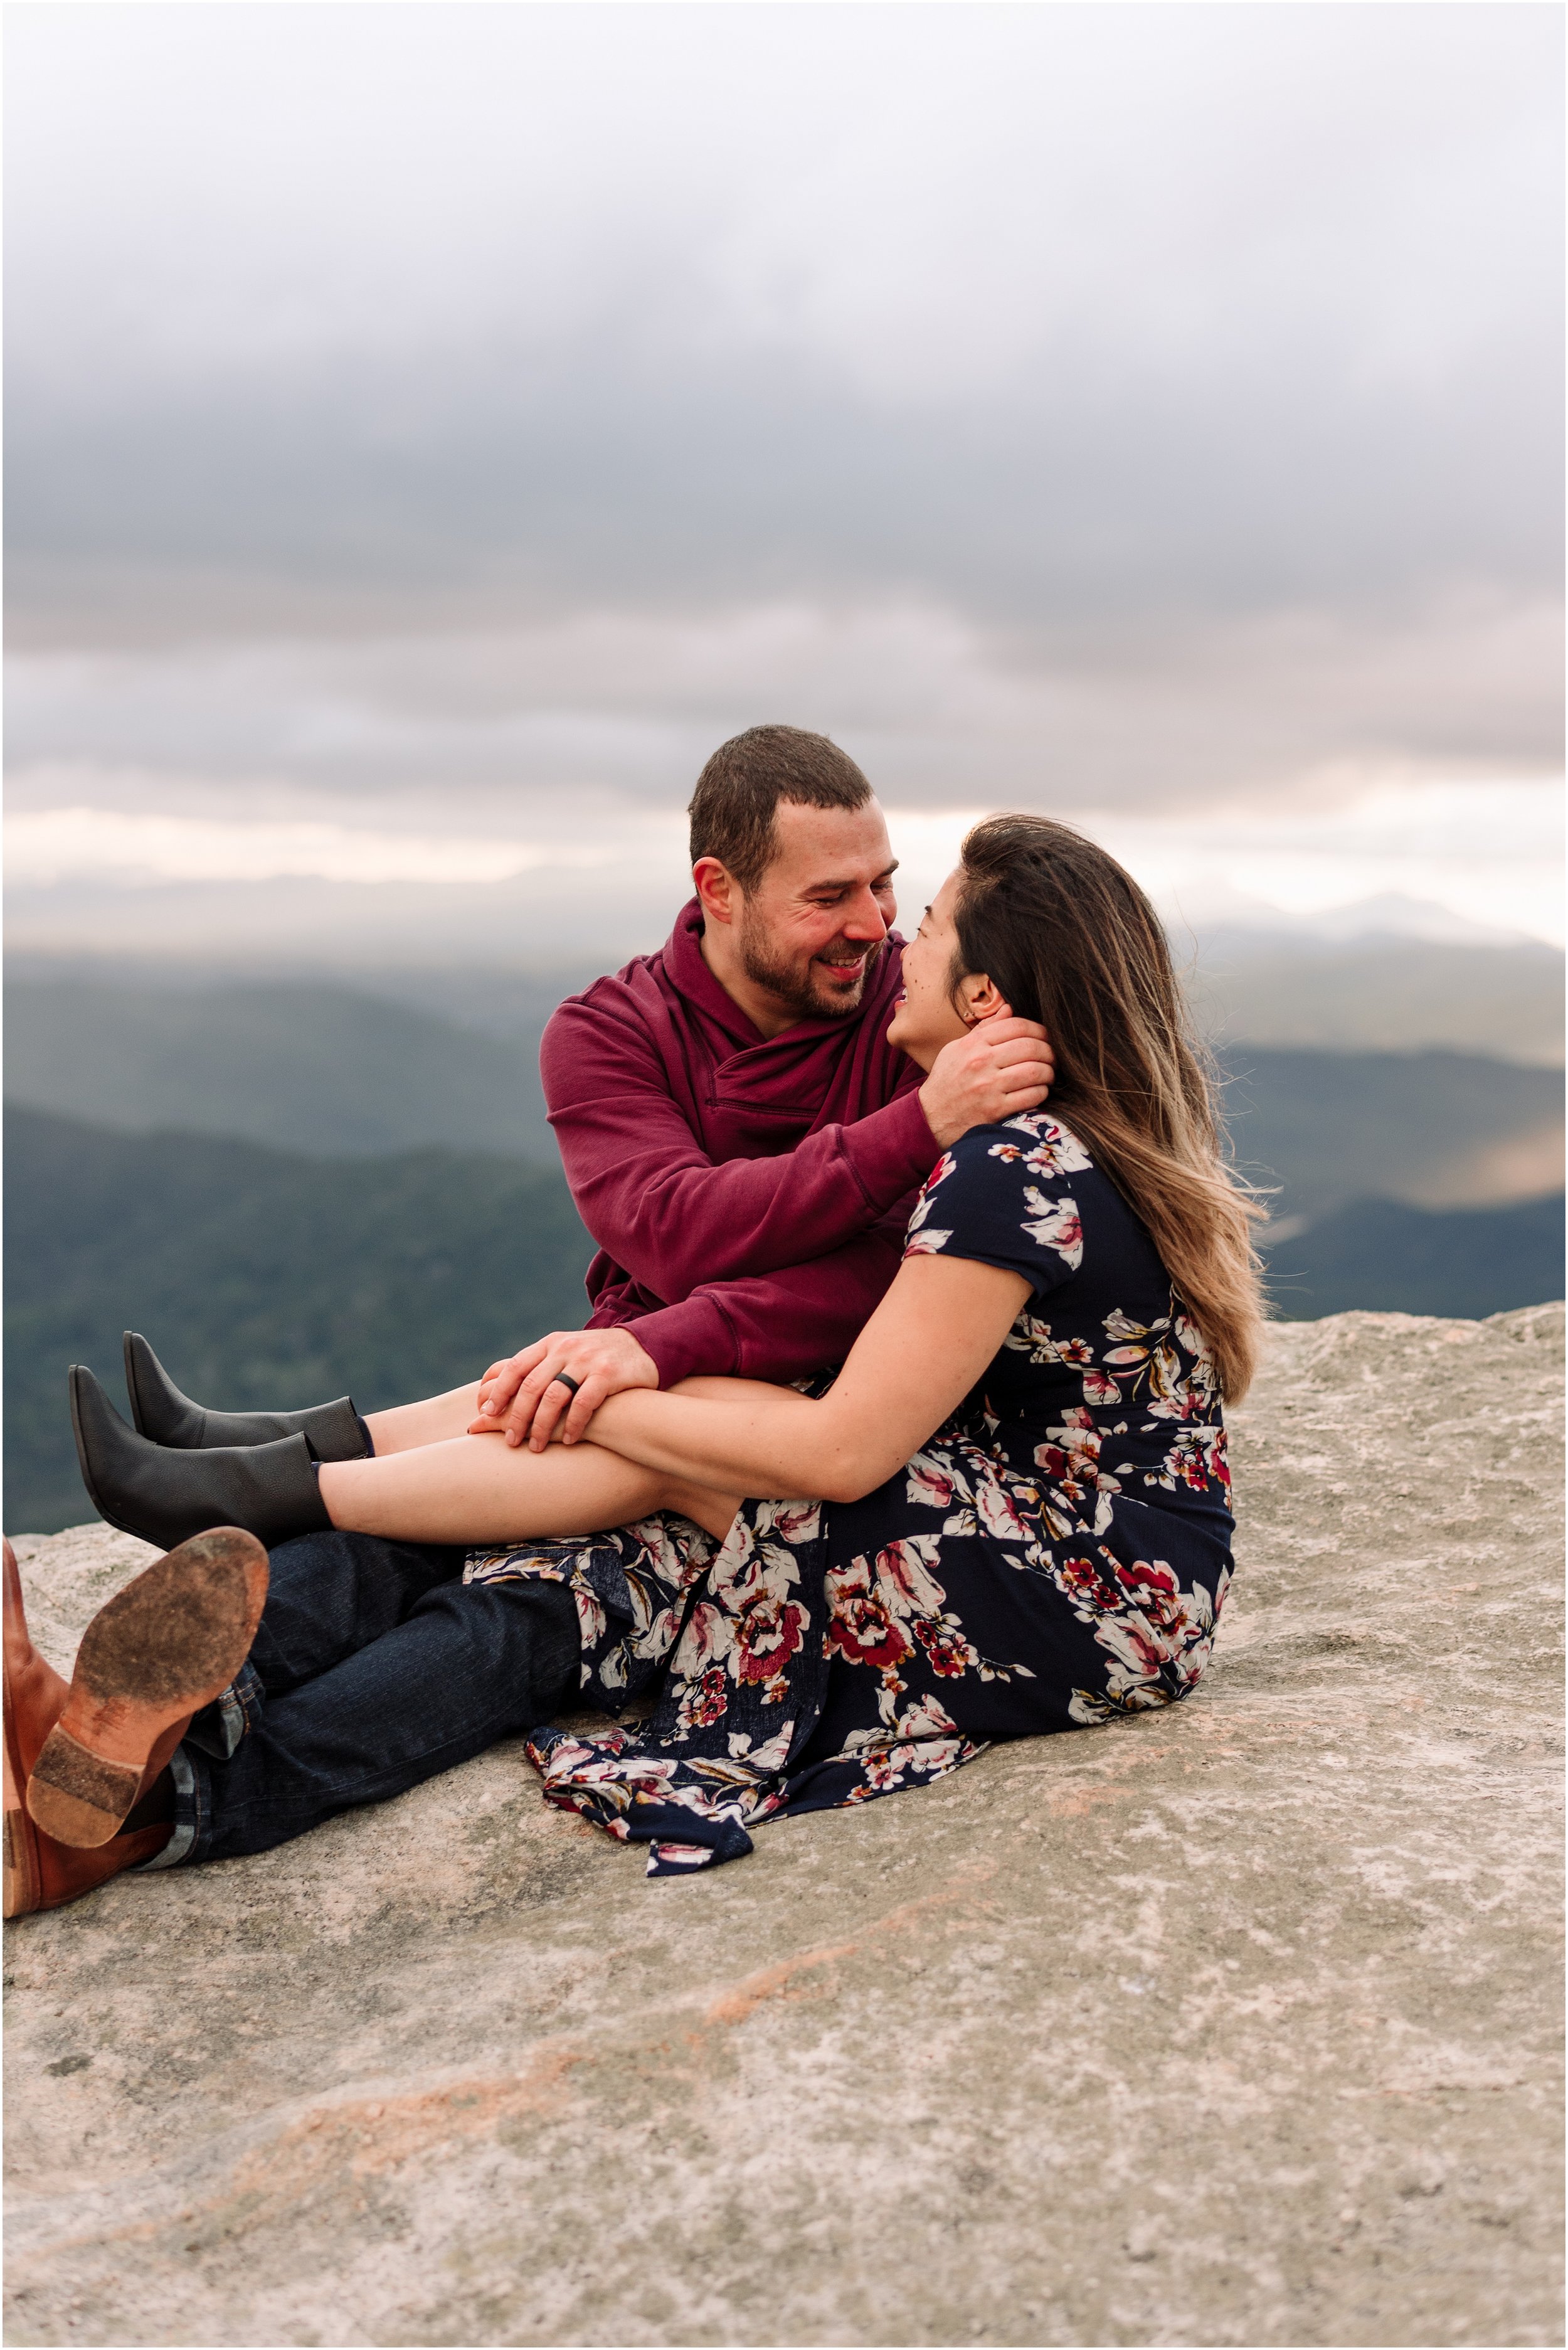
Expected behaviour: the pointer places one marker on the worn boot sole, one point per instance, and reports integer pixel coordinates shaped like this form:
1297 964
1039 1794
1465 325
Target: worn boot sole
164 1647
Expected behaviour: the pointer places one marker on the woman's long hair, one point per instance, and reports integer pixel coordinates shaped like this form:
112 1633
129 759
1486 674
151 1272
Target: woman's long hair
1070 939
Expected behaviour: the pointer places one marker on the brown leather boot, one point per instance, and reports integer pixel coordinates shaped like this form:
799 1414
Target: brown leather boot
40 1873
161 1648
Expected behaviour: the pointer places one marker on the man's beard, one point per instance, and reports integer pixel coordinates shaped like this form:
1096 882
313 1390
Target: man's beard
795 985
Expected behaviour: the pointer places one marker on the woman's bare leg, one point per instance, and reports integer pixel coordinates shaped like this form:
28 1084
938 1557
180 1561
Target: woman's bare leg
406 1424
478 1488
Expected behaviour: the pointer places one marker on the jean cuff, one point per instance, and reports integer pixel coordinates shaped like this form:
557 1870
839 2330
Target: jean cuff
192 1807
218 1728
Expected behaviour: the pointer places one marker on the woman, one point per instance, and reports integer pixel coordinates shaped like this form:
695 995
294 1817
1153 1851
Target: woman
1017 1514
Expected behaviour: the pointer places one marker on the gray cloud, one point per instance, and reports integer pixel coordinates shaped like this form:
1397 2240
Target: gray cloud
602 480
938 709
1041 311
425 411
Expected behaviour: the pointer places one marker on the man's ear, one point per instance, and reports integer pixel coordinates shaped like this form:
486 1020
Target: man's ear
715 886
979 998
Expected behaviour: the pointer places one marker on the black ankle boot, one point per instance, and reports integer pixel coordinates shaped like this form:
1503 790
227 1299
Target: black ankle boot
168 1418
165 1497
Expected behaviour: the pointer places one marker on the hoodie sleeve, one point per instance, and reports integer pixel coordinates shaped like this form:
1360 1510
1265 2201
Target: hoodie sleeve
677 1220
781 1326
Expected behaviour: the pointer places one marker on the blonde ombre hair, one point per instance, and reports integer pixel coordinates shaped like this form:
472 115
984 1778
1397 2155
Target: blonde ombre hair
1070 939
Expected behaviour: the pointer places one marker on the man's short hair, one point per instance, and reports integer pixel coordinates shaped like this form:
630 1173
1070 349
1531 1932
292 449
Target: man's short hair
732 807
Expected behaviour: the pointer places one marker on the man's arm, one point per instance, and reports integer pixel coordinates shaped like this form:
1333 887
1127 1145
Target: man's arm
767 1263
781 1326
677 1220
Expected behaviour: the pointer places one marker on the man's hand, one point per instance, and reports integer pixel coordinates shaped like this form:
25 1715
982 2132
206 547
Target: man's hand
521 1398
1001 1067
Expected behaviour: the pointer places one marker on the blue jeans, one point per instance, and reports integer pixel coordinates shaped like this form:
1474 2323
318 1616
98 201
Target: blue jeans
375 1666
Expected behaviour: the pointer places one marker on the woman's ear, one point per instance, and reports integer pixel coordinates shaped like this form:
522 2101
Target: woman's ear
979 998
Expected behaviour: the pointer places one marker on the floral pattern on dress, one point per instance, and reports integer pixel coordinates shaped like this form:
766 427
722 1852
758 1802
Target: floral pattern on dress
1054 1556
921 1239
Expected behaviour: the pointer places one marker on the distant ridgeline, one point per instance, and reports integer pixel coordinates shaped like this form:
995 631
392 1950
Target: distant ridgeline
263 1278
266 1278
365 1194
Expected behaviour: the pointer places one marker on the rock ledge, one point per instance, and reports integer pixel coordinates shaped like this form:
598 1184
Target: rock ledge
1234 2024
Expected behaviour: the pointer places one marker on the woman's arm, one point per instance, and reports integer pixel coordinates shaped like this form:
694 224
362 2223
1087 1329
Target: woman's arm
922 1350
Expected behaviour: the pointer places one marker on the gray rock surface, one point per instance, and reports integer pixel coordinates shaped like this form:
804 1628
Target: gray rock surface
1234 2024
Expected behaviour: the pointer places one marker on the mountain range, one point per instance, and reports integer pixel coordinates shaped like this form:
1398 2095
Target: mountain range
268 1278
298 1186
262 1277
1377 992
335 1072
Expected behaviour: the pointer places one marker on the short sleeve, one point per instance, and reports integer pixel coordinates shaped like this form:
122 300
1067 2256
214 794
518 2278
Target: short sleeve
1003 1196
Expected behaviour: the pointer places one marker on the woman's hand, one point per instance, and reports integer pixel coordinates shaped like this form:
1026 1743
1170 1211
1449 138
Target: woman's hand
522 1397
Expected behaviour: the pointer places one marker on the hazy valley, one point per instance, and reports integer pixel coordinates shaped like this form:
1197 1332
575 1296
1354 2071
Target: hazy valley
298 1187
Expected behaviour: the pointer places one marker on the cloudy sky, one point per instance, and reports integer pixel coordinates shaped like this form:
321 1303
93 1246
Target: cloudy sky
432 428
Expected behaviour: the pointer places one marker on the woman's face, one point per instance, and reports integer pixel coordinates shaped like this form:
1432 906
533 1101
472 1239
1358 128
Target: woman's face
926 1018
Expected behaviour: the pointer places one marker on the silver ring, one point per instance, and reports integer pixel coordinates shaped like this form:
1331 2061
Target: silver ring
568 1381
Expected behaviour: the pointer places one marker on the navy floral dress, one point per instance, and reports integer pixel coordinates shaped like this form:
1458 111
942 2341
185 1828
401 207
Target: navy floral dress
1057 1552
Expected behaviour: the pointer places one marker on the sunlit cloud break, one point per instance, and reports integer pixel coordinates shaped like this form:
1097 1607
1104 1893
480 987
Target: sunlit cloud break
56 844
432 430
1487 853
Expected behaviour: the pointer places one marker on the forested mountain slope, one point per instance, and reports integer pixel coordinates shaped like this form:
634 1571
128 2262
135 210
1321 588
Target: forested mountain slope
264 1277
334 1072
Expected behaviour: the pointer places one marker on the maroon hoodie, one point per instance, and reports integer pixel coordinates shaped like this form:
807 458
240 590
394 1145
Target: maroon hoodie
748 1194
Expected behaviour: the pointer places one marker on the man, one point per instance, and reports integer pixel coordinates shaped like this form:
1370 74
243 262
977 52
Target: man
739 1136
744 1145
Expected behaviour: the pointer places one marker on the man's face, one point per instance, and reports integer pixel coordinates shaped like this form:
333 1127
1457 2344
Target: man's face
816 922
